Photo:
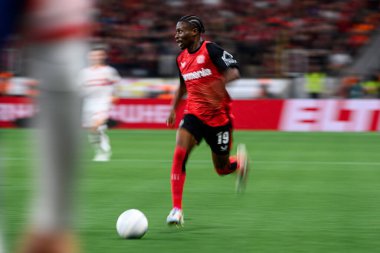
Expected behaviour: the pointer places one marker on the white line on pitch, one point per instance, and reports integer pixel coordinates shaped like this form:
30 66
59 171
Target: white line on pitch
209 161
260 161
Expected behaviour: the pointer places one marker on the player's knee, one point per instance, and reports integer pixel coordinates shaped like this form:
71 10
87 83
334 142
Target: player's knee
225 168
223 171
221 166
220 172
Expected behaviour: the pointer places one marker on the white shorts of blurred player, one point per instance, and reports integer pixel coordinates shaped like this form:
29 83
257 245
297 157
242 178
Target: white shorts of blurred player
95 112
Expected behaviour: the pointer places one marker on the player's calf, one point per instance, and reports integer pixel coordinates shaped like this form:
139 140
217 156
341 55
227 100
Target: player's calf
242 168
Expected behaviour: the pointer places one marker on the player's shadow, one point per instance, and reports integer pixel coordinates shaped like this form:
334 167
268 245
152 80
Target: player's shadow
204 229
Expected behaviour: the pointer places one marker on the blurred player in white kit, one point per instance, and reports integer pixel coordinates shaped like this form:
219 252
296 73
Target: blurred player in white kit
55 33
99 89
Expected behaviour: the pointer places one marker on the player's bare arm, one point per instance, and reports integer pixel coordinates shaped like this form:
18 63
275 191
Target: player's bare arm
231 74
180 92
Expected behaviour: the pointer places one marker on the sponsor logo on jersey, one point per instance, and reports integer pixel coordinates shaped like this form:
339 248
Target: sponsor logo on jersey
183 64
201 59
223 148
197 74
228 58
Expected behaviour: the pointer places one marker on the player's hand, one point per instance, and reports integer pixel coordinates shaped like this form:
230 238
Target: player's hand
171 119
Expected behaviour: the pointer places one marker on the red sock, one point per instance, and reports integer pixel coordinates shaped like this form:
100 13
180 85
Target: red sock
229 168
178 175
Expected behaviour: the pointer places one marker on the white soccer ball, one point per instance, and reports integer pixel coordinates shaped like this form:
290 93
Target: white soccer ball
132 224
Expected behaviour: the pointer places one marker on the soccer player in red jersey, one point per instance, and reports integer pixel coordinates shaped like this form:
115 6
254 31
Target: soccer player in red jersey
205 69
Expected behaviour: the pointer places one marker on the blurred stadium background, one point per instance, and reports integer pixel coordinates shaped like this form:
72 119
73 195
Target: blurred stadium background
286 48
328 47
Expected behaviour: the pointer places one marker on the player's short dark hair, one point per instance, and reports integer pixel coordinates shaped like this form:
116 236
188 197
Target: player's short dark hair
195 21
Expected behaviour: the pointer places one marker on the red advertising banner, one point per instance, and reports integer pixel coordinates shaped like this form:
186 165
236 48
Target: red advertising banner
152 113
275 115
330 115
257 114
142 113
13 109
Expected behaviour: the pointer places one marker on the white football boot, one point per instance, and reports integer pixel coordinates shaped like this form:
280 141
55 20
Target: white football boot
102 156
243 167
175 217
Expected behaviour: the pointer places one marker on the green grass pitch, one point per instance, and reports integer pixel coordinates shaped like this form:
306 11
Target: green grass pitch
307 192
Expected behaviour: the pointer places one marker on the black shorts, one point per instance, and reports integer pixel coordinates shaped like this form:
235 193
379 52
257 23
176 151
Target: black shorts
218 138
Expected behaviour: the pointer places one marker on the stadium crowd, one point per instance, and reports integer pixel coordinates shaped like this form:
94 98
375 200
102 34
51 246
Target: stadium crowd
324 34
308 39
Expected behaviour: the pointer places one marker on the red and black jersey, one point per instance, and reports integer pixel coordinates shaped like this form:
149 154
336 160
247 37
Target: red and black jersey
202 73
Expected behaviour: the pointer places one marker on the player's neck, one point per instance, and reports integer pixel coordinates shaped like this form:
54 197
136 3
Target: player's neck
195 46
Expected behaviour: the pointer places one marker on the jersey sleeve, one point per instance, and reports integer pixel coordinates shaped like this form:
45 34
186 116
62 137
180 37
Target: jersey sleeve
220 57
